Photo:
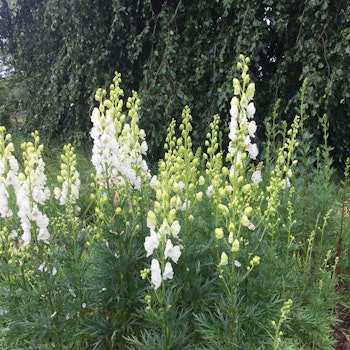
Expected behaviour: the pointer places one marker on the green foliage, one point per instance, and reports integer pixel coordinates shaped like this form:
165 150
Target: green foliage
216 250
11 94
67 52
178 53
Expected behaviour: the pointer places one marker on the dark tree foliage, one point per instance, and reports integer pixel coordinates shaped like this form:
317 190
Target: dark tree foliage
65 50
178 53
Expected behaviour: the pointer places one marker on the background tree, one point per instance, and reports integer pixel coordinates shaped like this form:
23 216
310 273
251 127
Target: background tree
178 52
64 51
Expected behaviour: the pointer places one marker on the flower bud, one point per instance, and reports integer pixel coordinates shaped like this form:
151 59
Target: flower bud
246 188
224 259
151 220
219 233
255 261
199 196
248 211
172 215
245 221
232 227
223 209
235 246
236 86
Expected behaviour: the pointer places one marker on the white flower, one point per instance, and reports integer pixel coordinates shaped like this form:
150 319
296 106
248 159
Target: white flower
251 226
230 148
237 263
256 177
12 179
230 238
253 151
172 252
153 181
168 271
54 271
186 205
156 277
175 228
233 126
43 235
143 165
144 147
181 185
95 117
152 242
210 190
13 163
3 201
252 128
26 237
42 267
250 110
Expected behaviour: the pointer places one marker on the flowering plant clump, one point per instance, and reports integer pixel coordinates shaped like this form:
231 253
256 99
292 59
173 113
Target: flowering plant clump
28 187
8 170
161 221
118 144
203 253
174 192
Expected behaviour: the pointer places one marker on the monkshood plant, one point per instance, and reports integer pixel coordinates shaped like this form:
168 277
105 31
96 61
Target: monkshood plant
120 192
42 282
216 249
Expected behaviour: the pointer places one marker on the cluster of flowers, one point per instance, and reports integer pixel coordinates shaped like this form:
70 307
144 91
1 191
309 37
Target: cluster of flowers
33 191
230 189
28 186
117 150
69 178
162 220
242 126
8 171
161 236
23 190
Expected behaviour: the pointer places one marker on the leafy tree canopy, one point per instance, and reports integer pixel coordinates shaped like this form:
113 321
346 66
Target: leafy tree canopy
178 53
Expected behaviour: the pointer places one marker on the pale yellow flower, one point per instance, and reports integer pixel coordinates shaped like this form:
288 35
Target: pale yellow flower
235 246
219 233
224 259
